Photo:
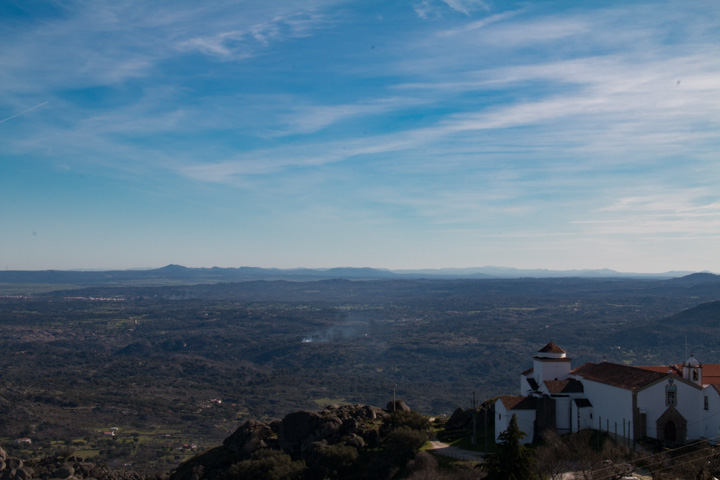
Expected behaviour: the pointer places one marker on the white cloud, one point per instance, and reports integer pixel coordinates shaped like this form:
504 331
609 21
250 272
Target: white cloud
238 44
478 24
432 8
94 43
466 6
309 118
688 212
262 162
215 45
572 121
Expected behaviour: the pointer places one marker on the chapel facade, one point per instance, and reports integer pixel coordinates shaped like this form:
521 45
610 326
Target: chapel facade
673 404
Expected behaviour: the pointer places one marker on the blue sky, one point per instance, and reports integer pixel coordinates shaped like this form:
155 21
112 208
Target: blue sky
322 133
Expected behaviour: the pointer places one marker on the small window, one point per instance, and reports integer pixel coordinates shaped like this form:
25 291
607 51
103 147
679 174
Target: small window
499 416
590 416
707 403
670 394
695 376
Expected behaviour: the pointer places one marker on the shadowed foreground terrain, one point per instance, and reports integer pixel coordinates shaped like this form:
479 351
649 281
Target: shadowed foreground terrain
341 441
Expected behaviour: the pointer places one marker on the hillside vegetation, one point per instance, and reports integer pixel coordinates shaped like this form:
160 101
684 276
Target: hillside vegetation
176 369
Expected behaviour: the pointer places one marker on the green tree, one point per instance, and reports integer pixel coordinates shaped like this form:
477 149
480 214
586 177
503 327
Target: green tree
266 464
337 459
411 419
404 442
512 460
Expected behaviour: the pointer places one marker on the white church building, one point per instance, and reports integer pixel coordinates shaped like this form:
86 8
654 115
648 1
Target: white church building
673 404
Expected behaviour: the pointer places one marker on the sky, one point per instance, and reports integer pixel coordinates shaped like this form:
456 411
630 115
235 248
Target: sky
326 133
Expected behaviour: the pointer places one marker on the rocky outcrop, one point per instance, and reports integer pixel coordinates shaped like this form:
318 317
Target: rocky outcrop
251 436
59 468
303 435
463 418
300 429
320 444
460 419
12 468
397 406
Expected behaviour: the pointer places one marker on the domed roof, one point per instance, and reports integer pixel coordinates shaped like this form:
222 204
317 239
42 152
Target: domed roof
551 351
692 361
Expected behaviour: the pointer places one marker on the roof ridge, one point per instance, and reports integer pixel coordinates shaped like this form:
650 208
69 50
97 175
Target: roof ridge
551 348
617 374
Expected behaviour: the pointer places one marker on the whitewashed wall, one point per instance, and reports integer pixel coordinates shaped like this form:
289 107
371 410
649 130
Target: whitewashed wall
525 387
611 405
563 414
711 416
525 418
582 418
550 370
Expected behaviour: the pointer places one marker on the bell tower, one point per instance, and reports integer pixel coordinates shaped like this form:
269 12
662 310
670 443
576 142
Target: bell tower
692 370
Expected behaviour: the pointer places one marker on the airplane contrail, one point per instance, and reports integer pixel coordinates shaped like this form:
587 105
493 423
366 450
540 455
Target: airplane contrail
25 111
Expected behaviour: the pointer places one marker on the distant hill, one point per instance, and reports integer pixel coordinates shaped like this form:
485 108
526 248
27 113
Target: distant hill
506 272
702 278
696 327
705 315
180 275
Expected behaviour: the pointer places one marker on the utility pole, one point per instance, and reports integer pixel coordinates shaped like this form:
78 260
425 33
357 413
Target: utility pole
394 401
485 428
474 419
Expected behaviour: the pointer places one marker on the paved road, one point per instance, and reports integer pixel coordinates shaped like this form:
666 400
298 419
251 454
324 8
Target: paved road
454 452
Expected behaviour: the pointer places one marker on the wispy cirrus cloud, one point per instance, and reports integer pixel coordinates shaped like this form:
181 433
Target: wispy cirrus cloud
310 118
692 211
594 92
243 43
109 44
430 8
261 162
530 121
467 6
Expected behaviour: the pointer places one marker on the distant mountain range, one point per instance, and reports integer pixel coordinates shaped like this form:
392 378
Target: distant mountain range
180 275
506 272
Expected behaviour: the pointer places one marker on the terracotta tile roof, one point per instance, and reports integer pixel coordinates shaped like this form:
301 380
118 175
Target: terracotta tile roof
513 402
617 375
528 371
710 371
564 386
663 369
551 348
716 386
582 402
